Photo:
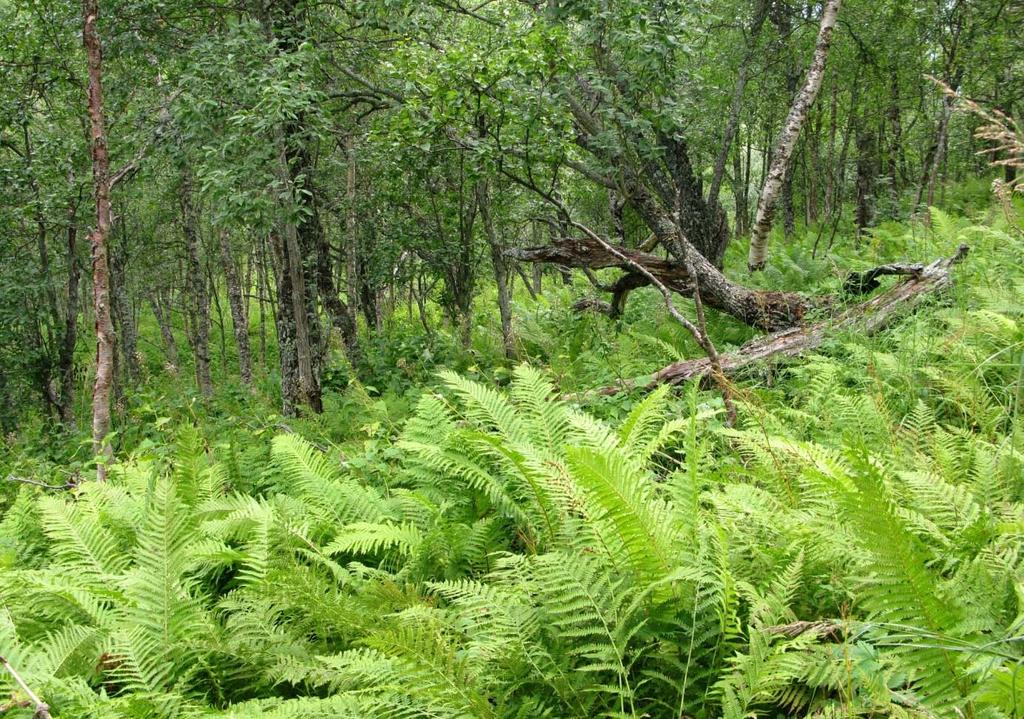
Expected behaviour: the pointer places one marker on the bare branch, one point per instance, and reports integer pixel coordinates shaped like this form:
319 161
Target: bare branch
42 710
37 483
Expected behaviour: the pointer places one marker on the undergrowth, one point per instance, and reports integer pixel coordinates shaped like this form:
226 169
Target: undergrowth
473 546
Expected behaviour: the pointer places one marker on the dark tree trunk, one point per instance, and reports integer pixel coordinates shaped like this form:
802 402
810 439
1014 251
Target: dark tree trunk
284 323
351 231
677 221
98 241
45 340
866 169
199 305
704 225
297 245
868 317
265 297
500 265
616 209
767 310
293 305
162 312
341 314
239 316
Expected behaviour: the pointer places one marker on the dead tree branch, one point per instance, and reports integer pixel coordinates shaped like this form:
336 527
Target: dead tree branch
44 485
42 710
698 331
869 317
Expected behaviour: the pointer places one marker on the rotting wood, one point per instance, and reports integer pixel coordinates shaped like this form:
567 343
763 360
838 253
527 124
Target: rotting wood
870 316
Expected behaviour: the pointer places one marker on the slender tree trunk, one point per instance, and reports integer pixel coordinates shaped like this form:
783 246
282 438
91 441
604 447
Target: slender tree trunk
500 266
788 211
124 321
866 164
351 230
787 140
212 293
163 320
844 151
760 13
47 328
538 270
69 338
814 170
200 300
896 141
308 387
833 126
939 156
263 294
300 239
98 241
284 322
616 209
740 187
239 316
421 305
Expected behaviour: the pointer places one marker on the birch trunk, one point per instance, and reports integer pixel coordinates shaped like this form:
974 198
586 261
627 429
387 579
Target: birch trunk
939 156
787 140
98 241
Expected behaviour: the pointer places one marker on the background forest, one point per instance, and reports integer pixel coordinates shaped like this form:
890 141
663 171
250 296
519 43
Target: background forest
511 358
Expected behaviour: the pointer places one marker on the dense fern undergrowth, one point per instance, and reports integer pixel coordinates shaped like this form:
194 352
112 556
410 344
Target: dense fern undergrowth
476 547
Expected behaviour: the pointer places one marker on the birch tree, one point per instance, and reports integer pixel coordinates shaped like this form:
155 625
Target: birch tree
786 142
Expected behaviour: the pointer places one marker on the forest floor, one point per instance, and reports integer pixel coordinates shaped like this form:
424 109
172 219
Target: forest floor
449 539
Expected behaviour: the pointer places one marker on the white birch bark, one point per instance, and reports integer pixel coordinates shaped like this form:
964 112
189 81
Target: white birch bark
787 139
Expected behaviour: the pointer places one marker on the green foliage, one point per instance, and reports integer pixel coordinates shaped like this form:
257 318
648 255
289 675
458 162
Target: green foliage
846 550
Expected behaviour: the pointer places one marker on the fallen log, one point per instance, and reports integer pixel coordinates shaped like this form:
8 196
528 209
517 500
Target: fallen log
869 317
764 309
586 254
